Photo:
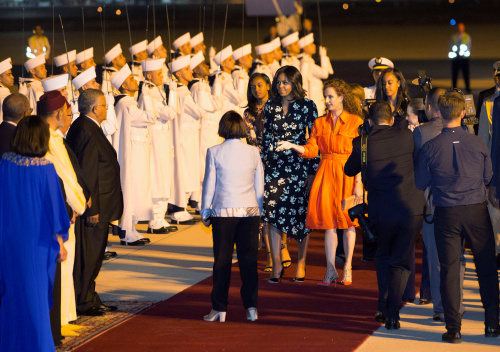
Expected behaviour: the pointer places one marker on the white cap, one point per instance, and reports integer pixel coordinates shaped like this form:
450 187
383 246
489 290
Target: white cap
137 48
113 53
380 63
223 54
84 77
63 59
240 52
495 65
179 63
183 39
155 44
5 65
264 48
276 43
196 60
197 39
36 61
120 77
55 82
84 55
152 64
290 39
305 41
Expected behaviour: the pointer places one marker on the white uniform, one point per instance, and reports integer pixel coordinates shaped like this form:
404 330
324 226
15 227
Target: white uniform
240 82
274 66
134 152
33 89
107 75
289 60
312 76
110 125
161 151
370 92
232 99
211 105
136 69
260 67
4 92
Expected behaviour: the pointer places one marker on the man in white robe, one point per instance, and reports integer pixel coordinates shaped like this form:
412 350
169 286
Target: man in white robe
114 62
85 59
134 153
139 54
265 58
291 46
32 86
243 62
6 82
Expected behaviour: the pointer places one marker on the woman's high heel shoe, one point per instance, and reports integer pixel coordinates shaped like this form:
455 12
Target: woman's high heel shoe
214 315
331 274
347 279
275 280
252 314
268 268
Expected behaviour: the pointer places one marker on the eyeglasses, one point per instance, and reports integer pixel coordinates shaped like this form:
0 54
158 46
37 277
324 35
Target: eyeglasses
101 105
286 83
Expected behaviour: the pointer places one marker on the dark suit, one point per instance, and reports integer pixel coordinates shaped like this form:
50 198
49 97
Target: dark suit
101 172
481 98
395 208
7 132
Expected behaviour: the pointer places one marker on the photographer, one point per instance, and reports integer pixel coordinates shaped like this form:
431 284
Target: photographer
457 167
395 205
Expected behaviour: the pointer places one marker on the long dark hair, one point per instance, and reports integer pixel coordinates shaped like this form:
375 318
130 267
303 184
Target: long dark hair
293 76
403 96
32 137
252 101
349 102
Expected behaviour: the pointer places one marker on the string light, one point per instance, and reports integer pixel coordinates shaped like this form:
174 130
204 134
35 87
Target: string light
451 1
345 6
453 22
378 0
118 12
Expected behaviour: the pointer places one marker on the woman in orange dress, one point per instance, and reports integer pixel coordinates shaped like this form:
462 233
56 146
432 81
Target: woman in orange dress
332 136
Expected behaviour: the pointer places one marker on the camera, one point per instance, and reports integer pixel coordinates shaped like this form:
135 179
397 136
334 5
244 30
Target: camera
359 212
364 128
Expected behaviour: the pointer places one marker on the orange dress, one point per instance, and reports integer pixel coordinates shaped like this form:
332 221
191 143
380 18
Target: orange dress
331 185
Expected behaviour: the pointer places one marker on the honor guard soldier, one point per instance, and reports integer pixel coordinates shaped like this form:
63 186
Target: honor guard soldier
138 53
377 65
114 62
59 83
157 51
232 98
165 104
84 80
134 155
187 173
32 87
278 55
6 81
85 59
61 63
291 45
313 74
198 44
182 45
243 59
211 105
265 58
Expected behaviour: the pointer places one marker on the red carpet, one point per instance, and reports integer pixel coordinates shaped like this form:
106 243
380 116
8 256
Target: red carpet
292 316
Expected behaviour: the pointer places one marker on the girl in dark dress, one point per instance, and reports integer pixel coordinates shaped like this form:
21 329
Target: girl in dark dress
391 88
288 177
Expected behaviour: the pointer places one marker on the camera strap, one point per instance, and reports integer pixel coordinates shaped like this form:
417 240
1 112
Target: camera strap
364 162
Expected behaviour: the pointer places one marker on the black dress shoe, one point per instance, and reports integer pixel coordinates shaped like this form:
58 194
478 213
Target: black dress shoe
436 317
160 231
92 312
392 324
299 279
424 301
452 337
145 240
379 316
111 254
105 308
490 331
107 256
135 243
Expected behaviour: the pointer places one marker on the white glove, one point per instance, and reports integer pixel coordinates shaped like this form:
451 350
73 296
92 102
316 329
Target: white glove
172 86
322 51
211 52
110 98
217 87
284 145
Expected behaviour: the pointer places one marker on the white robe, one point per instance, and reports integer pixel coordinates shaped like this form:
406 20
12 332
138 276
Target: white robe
187 173
134 148
370 92
312 76
274 66
110 125
33 89
240 82
289 60
232 99
4 93
108 73
261 67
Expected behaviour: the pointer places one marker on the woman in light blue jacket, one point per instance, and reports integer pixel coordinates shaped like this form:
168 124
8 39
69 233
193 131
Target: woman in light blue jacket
233 190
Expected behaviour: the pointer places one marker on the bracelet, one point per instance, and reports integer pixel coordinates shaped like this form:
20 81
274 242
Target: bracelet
357 181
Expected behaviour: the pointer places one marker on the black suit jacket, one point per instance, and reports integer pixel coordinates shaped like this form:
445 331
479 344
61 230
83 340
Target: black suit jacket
390 179
7 132
99 168
480 99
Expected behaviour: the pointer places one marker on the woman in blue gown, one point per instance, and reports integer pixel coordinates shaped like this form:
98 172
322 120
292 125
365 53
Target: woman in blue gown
33 225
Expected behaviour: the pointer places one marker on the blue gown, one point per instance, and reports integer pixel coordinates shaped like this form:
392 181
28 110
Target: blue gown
32 212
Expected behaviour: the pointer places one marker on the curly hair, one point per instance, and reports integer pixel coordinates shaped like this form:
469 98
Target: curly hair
349 102
294 76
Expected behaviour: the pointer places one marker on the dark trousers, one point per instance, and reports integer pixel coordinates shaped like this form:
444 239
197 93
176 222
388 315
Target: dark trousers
410 293
473 223
457 65
245 233
89 253
396 241
425 282
55 311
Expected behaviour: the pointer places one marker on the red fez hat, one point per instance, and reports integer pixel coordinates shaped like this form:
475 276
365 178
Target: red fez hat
50 101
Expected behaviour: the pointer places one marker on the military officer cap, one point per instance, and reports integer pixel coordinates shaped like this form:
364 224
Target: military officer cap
380 63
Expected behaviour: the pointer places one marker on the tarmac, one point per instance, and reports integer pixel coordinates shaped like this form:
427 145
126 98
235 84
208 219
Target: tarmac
174 262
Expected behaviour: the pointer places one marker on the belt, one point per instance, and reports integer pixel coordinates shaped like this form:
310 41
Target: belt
334 156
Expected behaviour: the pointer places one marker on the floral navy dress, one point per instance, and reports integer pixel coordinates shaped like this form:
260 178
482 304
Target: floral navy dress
285 202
